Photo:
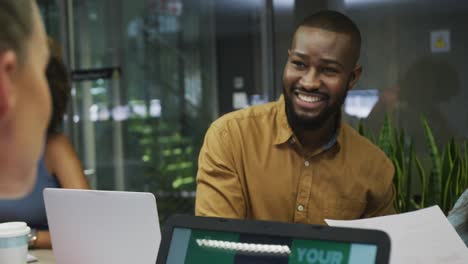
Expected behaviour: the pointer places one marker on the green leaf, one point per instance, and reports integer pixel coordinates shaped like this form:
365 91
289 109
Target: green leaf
361 129
447 163
409 168
446 194
385 138
465 173
423 180
435 180
399 176
399 150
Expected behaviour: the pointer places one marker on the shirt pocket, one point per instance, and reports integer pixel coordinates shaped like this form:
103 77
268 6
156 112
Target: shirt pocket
344 209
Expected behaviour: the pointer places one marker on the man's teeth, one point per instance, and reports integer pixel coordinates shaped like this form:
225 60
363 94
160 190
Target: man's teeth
309 99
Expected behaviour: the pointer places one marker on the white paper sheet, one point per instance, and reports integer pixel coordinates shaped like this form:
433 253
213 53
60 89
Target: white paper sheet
423 236
31 258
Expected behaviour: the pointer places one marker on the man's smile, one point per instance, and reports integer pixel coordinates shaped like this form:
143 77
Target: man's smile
309 101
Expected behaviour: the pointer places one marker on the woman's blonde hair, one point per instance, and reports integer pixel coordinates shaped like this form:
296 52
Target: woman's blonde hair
16 22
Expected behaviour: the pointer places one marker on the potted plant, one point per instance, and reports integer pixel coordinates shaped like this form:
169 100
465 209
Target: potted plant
442 179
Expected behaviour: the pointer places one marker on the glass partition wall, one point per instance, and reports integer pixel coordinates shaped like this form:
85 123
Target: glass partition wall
151 75
145 86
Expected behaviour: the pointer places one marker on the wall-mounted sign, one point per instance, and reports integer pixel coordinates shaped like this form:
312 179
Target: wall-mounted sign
440 41
95 74
238 82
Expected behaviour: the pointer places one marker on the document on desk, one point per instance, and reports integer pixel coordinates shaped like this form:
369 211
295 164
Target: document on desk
31 258
422 236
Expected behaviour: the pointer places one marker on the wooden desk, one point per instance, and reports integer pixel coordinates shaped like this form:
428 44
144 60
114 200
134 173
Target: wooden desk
45 256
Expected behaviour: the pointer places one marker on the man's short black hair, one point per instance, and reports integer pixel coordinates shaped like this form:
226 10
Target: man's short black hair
336 22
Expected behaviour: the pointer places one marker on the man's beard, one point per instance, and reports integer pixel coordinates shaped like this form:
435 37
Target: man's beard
311 123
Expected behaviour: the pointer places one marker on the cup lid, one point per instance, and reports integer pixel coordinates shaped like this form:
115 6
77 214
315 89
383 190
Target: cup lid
13 229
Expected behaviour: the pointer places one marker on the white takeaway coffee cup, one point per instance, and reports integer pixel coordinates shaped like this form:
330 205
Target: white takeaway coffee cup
14 242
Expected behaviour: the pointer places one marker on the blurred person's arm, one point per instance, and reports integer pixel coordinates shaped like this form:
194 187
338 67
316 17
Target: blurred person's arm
43 239
458 216
62 162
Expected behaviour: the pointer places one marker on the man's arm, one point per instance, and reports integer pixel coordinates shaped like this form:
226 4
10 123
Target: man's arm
219 191
382 198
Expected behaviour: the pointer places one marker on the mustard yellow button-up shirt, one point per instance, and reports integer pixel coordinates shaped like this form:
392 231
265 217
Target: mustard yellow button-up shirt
252 166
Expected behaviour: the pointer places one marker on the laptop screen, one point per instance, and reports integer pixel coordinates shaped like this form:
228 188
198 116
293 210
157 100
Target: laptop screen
189 245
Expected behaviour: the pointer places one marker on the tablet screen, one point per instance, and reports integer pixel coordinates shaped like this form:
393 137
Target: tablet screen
201 246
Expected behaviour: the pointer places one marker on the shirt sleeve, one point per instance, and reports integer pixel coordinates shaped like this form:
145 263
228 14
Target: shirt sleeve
382 198
219 192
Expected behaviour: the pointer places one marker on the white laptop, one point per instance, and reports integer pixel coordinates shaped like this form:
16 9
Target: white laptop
98 227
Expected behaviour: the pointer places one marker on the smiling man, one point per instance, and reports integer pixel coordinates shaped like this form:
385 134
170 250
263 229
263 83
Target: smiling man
294 160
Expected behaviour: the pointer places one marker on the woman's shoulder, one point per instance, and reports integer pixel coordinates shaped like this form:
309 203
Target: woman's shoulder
58 144
57 139
58 148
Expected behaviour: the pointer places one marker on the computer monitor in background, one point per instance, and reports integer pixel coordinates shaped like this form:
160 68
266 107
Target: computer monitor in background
190 239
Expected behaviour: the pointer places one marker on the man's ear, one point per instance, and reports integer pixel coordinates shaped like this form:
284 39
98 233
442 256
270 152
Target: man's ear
8 67
354 77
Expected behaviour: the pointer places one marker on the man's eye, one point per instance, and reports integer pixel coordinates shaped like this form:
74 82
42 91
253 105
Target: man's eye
299 64
329 70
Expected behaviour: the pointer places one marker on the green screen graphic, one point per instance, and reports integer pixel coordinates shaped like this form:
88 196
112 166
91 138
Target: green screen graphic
212 247
197 254
319 252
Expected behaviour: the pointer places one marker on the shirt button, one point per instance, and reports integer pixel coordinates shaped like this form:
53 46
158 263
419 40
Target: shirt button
306 163
300 208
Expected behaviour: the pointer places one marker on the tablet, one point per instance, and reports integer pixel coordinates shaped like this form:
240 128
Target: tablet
191 239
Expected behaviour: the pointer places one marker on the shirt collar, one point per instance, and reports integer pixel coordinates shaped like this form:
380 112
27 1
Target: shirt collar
284 132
